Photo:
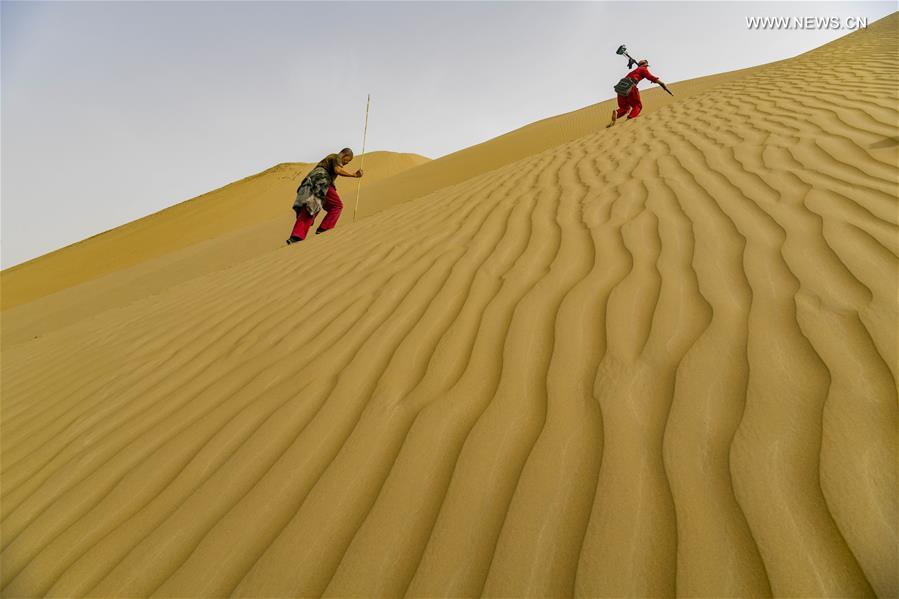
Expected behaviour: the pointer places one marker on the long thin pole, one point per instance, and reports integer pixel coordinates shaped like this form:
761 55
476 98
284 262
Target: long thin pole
362 160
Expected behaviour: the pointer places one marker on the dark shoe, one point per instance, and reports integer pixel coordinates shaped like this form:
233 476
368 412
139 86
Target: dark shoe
293 239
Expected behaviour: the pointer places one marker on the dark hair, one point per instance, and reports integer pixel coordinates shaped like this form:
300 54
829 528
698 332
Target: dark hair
346 151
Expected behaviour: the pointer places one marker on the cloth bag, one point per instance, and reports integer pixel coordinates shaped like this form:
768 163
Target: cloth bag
312 191
623 87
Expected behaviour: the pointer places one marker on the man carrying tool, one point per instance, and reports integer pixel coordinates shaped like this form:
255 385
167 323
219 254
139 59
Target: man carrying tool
629 95
317 192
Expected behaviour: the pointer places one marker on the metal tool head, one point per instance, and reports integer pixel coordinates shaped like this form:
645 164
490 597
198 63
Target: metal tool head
622 49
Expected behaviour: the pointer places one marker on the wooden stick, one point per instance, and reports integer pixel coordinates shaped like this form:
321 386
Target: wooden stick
362 160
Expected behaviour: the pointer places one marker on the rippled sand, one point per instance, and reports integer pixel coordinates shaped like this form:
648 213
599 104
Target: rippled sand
653 360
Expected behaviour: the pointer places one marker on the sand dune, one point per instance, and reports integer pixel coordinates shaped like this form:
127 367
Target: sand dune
654 360
257 209
249 218
250 201
521 143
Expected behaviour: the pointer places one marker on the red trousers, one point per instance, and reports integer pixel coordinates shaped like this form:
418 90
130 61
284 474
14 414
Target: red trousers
631 103
332 206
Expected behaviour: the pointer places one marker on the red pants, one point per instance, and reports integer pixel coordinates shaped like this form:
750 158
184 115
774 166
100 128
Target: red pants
630 102
332 206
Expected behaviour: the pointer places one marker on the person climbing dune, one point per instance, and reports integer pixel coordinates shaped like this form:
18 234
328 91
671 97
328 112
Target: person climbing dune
317 192
628 94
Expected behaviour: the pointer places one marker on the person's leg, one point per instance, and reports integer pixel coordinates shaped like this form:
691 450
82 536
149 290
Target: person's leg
301 227
623 106
333 206
635 103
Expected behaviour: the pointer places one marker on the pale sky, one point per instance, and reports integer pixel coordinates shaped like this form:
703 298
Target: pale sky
115 110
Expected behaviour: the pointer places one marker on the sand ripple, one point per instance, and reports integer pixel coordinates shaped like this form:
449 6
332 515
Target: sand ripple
655 360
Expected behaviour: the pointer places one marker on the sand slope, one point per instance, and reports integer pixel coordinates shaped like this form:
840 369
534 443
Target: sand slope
251 217
654 360
255 204
245 203
526 141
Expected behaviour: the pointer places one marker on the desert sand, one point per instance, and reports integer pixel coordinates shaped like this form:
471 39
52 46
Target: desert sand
653 360
211 216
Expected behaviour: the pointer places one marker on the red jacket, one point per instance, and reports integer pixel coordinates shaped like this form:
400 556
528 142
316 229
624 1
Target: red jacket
641 73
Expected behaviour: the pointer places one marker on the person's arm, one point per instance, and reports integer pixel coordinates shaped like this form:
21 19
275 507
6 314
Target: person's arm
345 173
655 79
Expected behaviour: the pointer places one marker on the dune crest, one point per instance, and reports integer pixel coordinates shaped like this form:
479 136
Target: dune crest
655 360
